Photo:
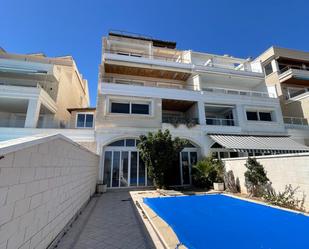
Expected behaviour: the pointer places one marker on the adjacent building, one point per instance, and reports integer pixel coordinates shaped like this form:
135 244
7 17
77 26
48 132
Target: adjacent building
44 95
287 76
36 91
219 104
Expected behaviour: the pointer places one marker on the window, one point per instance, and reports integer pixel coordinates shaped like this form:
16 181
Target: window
120 107
140 108
259 116
84 120
268 68
265 116
252 115
125 143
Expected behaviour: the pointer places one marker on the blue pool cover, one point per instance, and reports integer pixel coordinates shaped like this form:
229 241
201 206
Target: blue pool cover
223 222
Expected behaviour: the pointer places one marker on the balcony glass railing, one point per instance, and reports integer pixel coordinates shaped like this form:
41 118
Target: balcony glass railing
172 58
161 84
179 57
295 91
296 121
284 68
220 121
239 92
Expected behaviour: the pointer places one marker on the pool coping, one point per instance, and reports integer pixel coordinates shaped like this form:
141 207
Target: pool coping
161 232
265 204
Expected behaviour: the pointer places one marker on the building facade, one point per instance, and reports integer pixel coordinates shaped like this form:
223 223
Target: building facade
220 104
287 76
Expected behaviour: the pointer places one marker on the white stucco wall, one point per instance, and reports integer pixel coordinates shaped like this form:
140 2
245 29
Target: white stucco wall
281 170
43 183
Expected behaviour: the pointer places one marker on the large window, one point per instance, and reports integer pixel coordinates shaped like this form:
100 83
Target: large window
84 120
259 115
130 107
268 68
120 107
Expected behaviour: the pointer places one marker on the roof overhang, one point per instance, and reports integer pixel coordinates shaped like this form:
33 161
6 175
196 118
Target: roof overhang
249 143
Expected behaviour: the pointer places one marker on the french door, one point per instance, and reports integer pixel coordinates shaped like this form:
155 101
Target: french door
188 158
124 168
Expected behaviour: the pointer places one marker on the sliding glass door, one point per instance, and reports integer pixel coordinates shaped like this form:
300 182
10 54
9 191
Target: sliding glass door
124 168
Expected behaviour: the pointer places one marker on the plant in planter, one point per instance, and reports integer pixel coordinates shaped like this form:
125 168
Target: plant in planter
101 187
191 123
207 173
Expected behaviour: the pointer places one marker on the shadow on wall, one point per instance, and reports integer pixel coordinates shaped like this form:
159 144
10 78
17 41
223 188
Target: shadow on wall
231 184
286 198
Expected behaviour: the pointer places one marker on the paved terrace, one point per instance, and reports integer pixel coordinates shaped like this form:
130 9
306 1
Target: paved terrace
108 222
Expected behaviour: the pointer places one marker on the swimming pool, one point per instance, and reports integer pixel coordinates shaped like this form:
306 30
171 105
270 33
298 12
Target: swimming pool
223 222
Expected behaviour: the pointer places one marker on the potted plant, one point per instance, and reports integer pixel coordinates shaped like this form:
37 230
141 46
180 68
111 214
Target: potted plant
101 187
219 181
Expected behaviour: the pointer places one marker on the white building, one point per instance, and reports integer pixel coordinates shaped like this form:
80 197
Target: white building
220 104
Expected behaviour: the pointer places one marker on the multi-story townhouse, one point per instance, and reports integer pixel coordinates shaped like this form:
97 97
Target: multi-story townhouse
44 95
220 104
287 76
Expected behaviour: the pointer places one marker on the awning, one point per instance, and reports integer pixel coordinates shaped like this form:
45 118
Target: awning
258 143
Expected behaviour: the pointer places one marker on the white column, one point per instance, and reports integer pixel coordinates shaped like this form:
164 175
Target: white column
275 66
201 113
33 112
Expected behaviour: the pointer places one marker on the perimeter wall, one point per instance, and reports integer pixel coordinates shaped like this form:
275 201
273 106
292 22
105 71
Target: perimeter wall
281 170
43 183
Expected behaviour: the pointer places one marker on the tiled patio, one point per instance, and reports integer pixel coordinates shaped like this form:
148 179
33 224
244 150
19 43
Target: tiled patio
108 222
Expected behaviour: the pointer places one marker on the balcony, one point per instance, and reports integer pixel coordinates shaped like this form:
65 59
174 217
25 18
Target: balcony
294 74
179 112
186 86
239 92
296 93
178 120
22 106
296 122
220 121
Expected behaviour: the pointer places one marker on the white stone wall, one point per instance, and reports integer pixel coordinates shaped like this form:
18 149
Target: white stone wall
281 170
41 189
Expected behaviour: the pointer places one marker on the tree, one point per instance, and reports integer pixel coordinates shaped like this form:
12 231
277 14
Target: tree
207 171
255 177
160 152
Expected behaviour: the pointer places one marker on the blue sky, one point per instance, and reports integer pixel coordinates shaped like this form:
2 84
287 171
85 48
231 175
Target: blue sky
239 28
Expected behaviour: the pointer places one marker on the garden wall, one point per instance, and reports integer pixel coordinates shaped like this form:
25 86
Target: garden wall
44 181
281 170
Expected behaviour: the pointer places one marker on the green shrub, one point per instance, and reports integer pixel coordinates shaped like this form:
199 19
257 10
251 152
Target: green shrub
284 199
255 177
160 152
206 172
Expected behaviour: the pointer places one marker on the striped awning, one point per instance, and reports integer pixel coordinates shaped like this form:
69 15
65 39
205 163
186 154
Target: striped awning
258 143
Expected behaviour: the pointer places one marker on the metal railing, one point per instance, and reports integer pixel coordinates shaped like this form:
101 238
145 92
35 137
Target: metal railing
296 121
179 120
175 58
239 92
220 121
295 91
297 67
